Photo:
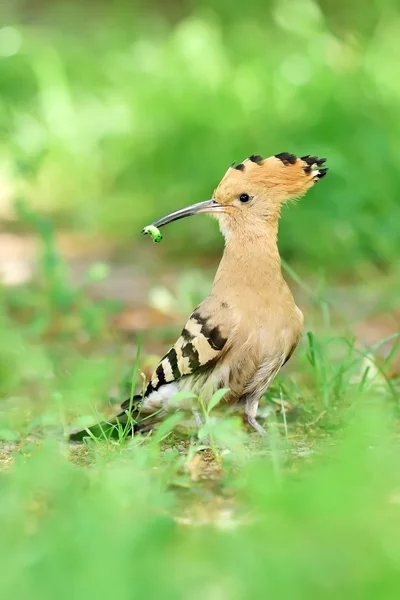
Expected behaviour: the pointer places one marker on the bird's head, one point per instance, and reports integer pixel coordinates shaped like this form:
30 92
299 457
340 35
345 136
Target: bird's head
252 192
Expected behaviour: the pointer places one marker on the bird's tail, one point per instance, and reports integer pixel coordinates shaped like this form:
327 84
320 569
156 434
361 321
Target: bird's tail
124 424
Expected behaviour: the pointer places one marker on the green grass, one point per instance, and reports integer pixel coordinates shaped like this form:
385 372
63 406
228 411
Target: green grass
315 511
109 118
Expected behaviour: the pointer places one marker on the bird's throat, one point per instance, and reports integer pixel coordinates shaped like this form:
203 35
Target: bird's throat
250 262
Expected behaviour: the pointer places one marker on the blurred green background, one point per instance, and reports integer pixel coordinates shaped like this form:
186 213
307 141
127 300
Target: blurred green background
113 114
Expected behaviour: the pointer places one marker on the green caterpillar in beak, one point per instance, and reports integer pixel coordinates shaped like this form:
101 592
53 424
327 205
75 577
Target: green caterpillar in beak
154 232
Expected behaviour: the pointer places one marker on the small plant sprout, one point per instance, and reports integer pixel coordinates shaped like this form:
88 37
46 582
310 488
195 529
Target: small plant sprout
154 232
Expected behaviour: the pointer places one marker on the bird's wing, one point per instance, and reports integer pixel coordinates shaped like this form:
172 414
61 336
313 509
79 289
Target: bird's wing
200 344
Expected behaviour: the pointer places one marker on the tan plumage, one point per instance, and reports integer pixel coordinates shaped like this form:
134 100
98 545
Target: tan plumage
248 327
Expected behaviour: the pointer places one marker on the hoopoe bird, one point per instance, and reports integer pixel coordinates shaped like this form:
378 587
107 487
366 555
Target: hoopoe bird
248 327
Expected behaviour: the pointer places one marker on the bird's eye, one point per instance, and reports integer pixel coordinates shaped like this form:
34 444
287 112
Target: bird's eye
244 198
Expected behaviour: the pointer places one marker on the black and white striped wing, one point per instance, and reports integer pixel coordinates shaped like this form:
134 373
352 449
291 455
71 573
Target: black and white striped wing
200 344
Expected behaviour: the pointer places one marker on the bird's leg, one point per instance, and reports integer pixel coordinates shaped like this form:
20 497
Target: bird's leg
197 418
199 422
250 411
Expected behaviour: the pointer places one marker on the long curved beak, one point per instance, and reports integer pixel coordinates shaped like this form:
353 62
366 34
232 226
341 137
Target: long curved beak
209 206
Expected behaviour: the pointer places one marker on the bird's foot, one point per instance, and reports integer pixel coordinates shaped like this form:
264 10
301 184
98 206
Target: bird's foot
256 425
